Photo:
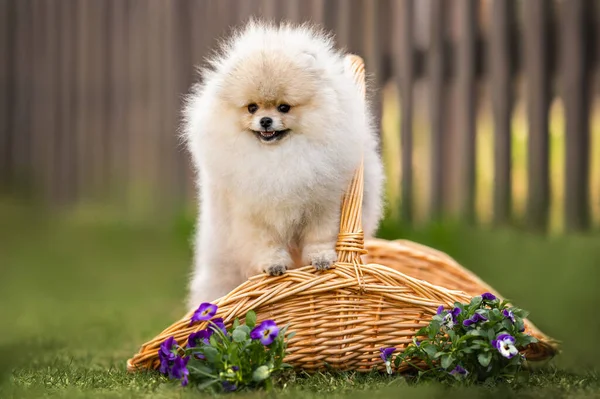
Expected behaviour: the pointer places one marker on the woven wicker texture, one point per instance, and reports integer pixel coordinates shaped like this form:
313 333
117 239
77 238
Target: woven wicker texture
344 315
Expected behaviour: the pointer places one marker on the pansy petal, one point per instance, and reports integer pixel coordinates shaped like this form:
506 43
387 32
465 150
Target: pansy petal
488 296
386 353
218 323
266 332
205 312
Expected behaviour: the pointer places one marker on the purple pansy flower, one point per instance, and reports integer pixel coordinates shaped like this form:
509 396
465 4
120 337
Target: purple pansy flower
488 296
386 353
198 336
235 368
476 318
228 386
386 356
180 371
166 354
505 343
509 315
219 324
205 312
459 371
455 312
449 319
266 331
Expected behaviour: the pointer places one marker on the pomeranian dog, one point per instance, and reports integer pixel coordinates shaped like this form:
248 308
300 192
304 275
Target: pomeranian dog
276 130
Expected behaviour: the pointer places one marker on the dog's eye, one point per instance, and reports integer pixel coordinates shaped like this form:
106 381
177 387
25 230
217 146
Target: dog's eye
252 108
283 108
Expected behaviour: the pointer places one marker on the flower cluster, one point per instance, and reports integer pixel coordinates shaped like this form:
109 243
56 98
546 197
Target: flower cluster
215 358
475 341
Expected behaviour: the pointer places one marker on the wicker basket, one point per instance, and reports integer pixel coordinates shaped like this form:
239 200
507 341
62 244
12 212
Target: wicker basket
378 294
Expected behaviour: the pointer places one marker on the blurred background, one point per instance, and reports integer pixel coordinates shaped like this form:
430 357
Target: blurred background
490 130
490 109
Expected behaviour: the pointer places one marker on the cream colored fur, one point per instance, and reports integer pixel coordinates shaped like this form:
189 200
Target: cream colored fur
272 206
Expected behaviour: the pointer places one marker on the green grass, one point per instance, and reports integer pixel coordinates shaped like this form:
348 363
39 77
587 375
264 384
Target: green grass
77 299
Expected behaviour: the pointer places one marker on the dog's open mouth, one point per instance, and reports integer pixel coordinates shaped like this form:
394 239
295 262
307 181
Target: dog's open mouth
270 136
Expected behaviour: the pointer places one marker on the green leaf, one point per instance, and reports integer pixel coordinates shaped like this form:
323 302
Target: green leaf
244 327
447 361
261 373
236 323
526 340
211 353
452 335
251 318
478 333
485 358
397 361
291 335
202 386
520 313
476 301
431 350
507 324
495 315
239 335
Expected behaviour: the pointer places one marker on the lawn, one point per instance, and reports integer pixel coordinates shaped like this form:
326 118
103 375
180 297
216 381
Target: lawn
78 298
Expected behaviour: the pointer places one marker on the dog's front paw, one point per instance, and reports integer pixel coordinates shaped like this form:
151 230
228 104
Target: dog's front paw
276 270
324 259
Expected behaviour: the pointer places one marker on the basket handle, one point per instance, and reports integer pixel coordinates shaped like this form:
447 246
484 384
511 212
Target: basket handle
351 240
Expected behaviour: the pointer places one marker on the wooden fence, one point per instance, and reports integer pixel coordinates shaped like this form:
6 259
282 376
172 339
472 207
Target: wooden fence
91 92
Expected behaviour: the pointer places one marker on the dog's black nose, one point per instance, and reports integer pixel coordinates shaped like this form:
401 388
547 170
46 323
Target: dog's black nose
266 122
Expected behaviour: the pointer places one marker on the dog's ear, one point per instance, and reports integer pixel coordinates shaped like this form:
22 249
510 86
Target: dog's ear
308 59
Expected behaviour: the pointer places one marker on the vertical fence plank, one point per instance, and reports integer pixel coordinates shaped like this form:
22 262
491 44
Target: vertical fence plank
268 9
83 95
356 27
291 10
137 149
246 9
536 17
44 110
119 105
501 21
436 65
23 72
153 111
317 10
342 23
169 104
402 22
65 40
94 91
68 159
575 82
372 52
180 72
7 54
464 199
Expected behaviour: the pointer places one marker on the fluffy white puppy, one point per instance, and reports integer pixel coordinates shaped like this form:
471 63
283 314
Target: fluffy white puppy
276 131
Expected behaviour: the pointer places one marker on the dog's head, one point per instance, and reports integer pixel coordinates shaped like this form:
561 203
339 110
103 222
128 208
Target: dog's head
277 94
